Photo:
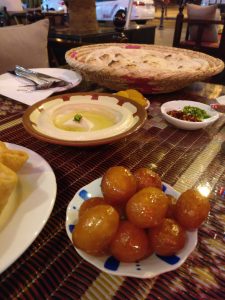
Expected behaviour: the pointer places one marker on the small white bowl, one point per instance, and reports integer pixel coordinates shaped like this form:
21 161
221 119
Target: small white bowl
188 125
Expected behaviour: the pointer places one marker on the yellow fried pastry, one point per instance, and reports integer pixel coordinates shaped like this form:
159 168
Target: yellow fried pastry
13 159
2 146
8 182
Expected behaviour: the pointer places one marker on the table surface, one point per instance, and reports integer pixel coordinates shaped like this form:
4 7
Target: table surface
68 32
51 269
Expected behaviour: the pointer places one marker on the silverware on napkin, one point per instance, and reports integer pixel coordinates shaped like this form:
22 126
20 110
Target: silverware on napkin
40 81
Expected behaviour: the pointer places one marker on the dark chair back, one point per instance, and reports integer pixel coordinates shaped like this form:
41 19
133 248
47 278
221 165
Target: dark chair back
4 17
182 29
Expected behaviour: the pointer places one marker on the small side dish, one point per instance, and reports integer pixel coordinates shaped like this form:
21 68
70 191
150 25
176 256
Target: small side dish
84 119
188 115
134 218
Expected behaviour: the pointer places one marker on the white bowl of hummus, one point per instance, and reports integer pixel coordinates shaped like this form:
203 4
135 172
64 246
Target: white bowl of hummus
84 119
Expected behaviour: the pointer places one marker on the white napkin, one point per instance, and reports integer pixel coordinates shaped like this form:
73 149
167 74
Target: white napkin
13 87
221 100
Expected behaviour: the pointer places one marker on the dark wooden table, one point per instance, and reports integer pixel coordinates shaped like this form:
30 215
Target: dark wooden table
63 38
143 34
51 269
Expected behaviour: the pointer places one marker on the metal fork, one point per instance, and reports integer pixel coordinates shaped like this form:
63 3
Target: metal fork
40 81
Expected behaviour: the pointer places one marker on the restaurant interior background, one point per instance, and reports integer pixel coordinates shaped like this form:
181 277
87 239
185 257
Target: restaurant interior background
164 21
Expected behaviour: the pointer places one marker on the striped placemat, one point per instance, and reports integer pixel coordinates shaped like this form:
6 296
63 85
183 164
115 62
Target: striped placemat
51 269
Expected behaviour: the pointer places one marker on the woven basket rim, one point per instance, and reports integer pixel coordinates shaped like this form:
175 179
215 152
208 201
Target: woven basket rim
179 79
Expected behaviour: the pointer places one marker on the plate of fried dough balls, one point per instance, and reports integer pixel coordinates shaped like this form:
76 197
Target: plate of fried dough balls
133 224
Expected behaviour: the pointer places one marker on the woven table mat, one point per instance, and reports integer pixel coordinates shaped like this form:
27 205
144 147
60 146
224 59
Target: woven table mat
51 269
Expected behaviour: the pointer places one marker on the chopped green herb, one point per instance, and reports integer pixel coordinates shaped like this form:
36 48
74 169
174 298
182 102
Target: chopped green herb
77 118
197 112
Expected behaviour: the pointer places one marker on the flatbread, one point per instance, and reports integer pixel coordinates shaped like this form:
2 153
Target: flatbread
144 61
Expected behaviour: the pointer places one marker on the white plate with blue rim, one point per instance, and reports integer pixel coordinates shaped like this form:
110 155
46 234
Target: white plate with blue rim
147 268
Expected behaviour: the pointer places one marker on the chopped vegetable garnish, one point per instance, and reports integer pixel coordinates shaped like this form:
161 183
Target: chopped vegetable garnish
77 118
199 113
189 113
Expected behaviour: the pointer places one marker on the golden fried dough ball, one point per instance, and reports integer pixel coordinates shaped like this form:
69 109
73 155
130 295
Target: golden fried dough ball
191 209
167 238
95 229
130 243
90 203
118 185
146 177
147 208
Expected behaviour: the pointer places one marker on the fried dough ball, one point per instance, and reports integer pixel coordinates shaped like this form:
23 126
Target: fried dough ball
130 243
90 203
167 238
191 209
172 204
146 177
118 185
95 229
147 208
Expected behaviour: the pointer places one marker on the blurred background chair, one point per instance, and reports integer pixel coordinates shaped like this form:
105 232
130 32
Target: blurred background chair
4 17
203 30
20 12
25 45
12 5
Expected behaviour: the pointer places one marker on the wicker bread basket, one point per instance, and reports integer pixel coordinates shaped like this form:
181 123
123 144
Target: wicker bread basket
146 82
